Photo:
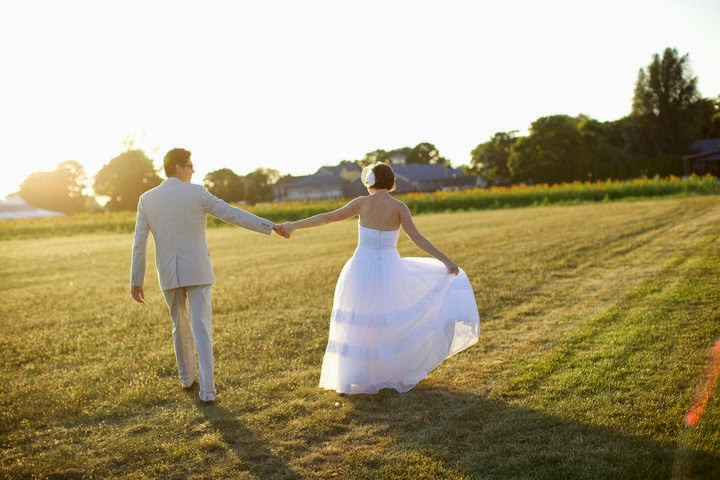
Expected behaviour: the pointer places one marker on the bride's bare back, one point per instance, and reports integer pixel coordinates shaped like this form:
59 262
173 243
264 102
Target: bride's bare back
380 211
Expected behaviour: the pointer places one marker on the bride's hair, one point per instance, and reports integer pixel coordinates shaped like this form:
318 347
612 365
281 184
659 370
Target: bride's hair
384 177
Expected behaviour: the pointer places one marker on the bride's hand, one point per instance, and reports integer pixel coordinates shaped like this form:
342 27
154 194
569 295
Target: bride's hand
452 268
288 228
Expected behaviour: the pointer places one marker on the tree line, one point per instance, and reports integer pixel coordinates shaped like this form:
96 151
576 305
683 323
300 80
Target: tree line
130 174
667 114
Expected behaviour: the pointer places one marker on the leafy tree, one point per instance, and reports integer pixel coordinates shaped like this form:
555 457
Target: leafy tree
259 185
375 156
605 148
562 148
423 152
60 190
490 159
709 118
555 151
664 106
225 184
125 178
713 127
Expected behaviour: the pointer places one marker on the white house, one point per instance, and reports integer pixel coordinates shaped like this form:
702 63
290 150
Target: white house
327 182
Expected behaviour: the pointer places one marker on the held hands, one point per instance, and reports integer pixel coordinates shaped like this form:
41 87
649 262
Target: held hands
280 230
285 229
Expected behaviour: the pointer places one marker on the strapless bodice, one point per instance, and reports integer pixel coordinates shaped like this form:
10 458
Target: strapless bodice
369 238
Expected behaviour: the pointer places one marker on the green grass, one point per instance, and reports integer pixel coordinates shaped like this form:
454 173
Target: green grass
596 325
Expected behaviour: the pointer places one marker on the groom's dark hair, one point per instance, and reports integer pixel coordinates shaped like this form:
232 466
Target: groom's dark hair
176 156
384 177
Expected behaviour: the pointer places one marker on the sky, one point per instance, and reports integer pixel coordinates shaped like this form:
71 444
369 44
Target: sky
295 85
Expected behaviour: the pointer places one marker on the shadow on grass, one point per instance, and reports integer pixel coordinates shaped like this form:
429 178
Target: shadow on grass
256 458
482 438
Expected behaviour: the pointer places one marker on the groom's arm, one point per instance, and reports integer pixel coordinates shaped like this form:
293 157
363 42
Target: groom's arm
139 255
220 209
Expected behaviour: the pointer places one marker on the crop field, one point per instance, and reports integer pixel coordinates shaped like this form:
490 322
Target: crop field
435 202
598 323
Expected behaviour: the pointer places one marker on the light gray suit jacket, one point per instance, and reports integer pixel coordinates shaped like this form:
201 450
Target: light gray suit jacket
175 213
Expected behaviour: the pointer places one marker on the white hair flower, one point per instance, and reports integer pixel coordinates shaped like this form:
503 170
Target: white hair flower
368 176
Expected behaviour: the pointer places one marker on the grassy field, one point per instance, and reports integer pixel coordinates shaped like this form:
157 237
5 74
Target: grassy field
596 325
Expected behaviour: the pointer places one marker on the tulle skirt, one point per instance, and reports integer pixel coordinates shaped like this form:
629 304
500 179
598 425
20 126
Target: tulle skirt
394 320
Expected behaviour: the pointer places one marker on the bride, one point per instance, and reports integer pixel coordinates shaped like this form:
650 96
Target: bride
393 319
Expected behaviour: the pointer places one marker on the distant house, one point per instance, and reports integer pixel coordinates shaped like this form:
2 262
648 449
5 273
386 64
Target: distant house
420 177
703 158
344 181
430 178
327 182
15 207
280 188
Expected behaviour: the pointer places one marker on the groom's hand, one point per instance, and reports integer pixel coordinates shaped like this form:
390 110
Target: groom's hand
280 231
137 293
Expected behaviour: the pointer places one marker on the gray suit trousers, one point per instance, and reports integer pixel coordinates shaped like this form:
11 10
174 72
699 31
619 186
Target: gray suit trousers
192 335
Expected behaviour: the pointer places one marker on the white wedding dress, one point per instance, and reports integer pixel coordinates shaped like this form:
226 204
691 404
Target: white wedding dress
394 319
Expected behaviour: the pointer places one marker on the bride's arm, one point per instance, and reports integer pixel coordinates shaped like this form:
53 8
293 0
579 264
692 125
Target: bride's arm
423 243
343 213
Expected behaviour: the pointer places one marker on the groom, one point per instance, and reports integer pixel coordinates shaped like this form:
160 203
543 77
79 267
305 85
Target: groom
175 213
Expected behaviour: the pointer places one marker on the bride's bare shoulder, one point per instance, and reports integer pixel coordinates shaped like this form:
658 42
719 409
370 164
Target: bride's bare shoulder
399 203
